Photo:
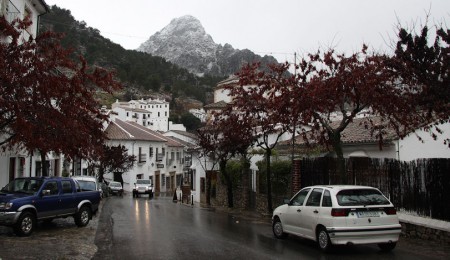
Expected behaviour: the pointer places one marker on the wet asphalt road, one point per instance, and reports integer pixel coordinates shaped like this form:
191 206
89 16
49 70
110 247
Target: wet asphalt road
128 228
160 229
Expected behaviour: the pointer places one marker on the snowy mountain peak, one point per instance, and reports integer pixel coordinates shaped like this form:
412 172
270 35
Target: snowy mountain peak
185 42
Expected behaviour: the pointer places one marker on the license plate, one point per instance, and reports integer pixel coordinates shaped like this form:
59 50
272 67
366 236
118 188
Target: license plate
368 214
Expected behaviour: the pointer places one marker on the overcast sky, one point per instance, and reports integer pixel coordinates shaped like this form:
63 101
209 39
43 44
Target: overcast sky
273 27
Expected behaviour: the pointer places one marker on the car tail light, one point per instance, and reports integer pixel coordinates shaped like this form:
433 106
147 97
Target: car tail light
390 211
339 212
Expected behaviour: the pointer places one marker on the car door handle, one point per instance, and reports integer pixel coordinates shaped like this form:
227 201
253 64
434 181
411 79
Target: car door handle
316 211
299 210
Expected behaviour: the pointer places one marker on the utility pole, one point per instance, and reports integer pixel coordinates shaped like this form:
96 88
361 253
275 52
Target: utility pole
294 119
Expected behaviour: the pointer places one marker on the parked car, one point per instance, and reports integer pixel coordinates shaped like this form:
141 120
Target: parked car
115 187
143 186
89 183
24 201
339 215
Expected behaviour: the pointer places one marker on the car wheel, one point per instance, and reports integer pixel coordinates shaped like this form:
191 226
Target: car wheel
25 224
277 229
387 246
323 240
83 216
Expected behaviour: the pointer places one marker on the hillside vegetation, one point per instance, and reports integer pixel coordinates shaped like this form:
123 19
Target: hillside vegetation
141 74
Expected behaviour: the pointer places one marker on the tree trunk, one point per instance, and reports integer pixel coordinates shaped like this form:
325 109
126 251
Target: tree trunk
228 181
269 182
246 180
101 172
208 188
43 163
340 162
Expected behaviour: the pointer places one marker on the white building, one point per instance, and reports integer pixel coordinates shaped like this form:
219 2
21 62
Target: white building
16 163
19 9
199 113
159 158
151 113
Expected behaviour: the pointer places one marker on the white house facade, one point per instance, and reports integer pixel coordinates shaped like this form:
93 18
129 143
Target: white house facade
158 158
19 9
15 162
411 148
151 113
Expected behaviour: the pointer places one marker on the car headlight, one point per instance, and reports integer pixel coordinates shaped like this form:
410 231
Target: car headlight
6 205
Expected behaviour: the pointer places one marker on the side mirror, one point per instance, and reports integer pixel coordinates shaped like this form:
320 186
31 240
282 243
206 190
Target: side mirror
286 201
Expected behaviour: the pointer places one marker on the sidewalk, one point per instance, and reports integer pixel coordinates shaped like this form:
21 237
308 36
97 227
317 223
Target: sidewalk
61 239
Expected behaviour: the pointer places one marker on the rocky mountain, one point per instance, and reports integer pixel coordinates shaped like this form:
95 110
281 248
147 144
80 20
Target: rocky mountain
141 74
185 42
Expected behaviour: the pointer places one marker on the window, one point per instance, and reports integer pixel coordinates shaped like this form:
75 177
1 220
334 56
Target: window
361 197
163 179
299 198
165 113
314 198
326 200
151 151
52 186
67 186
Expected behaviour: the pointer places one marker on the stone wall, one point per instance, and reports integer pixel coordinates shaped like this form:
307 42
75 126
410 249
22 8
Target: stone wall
421 232
240 195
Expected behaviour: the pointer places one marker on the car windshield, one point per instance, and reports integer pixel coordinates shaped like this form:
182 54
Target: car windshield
361 197
143 182
28 186
87 185
115 184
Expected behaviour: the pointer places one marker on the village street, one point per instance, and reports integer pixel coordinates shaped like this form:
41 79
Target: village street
128 228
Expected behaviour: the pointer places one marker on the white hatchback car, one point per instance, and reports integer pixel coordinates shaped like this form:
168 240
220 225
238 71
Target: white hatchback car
339 215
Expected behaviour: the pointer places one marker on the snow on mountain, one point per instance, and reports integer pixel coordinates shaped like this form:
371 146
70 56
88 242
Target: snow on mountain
185 42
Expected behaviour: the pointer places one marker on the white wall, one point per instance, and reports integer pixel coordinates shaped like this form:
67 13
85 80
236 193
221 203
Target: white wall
411 148
221 94
21 5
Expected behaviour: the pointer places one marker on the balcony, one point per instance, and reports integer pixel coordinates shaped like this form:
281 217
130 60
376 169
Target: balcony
187 163
159 157
142 158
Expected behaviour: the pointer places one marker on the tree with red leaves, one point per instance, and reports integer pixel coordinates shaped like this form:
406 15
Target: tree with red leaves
47 100
228 135
426 65
113 159
341 87
265 99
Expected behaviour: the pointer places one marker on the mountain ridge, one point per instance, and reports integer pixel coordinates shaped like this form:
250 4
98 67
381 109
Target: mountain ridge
185 42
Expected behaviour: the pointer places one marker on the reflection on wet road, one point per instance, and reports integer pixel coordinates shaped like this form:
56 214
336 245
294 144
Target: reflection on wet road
161 229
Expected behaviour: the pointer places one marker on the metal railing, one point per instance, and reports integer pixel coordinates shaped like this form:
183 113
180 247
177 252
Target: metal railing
142 158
